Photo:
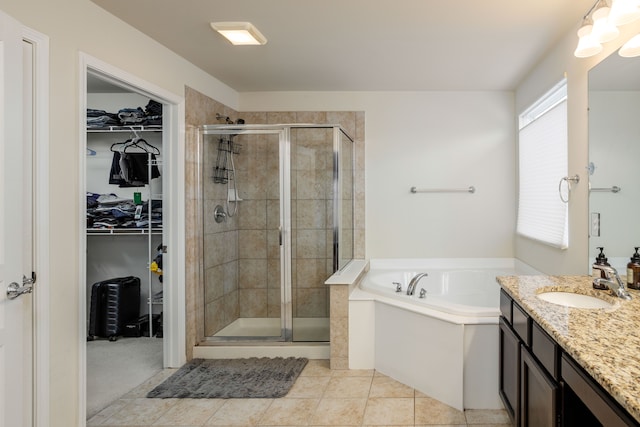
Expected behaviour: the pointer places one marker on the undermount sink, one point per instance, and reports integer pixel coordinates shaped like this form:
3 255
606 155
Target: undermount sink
570 299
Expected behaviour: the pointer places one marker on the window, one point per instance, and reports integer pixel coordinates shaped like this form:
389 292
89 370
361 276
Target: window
542 161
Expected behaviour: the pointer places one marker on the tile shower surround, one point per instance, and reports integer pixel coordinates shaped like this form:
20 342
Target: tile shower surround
237 264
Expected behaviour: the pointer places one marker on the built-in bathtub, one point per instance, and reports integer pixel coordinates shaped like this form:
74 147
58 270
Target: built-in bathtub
445 344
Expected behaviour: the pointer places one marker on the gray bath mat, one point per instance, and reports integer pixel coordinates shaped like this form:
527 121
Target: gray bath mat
232 378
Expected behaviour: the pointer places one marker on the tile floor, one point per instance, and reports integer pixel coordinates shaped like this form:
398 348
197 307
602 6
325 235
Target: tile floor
320 397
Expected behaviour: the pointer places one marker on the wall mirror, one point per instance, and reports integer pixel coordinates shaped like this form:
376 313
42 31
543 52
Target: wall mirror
614 159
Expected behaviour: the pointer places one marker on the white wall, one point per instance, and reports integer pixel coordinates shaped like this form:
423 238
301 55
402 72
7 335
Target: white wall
550 70
427 140
75 26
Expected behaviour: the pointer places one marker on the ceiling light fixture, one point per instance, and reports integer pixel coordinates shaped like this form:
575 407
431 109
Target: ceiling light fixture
240 33
599 25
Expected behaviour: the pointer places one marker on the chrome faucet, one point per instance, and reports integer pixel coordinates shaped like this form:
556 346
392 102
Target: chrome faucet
411 289
612 281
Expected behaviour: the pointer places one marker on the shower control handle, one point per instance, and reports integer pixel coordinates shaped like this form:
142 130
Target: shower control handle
219 214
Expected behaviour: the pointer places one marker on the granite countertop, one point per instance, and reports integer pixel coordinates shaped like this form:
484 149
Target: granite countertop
605 342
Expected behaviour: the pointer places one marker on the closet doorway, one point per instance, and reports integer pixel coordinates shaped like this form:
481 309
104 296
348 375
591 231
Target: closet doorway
132 245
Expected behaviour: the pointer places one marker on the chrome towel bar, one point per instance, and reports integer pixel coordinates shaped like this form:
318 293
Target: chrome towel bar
614 189
470 189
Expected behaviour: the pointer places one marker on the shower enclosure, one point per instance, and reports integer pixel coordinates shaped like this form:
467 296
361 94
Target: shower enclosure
277 218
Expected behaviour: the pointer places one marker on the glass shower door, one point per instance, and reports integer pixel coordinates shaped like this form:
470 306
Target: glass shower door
243 252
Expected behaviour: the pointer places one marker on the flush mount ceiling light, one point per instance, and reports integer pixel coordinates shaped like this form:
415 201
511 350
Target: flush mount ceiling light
240 33
599 25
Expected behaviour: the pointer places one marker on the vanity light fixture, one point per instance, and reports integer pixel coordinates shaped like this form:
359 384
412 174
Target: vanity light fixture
240 33
603 29
631 48
600 24
587 44
624 11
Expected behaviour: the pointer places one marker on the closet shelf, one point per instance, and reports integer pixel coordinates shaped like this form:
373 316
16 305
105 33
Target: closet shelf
122 231
137 128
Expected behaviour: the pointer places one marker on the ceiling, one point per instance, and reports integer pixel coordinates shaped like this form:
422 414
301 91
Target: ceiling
361 45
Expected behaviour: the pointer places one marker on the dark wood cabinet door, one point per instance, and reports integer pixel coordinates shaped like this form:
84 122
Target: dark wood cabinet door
538 394
509 370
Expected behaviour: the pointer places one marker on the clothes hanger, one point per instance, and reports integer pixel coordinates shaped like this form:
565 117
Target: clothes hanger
142 145
119 146
136 142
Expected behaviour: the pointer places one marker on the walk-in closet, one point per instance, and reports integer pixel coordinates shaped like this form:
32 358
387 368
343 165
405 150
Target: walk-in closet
124 240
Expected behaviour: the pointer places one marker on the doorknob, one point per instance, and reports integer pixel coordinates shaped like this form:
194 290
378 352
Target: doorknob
14 290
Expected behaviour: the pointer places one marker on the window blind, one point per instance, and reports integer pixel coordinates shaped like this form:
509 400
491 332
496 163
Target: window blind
542 161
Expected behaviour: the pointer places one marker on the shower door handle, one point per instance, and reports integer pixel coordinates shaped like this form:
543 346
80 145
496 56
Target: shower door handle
280 235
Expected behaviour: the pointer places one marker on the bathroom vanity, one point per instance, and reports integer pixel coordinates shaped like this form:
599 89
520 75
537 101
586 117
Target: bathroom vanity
566 366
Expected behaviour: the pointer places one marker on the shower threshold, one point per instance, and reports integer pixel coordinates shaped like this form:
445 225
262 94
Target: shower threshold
249 337
308 329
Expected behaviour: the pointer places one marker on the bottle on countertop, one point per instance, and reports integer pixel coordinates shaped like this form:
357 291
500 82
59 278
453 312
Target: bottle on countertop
601 259
633 271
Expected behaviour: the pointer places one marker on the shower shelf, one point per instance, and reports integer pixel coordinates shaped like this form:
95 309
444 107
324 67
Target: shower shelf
226 149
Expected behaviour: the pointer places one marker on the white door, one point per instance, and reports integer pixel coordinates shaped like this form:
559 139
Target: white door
15 229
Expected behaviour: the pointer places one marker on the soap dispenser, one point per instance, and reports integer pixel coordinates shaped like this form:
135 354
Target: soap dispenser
601 259
633 271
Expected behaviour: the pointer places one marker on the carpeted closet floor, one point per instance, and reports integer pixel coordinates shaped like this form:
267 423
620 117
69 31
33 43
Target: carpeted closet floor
115 368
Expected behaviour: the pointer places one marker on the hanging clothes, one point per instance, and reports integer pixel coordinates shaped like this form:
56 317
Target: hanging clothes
131 169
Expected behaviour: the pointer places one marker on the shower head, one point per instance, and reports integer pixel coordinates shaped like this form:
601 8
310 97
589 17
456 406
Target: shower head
225 118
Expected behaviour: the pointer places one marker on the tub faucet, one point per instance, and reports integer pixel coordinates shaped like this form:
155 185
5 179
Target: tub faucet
414 282
612 281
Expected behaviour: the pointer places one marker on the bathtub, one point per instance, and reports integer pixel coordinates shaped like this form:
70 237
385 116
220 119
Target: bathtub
445 344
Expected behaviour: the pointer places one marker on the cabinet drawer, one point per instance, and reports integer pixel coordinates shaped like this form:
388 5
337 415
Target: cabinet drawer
505 306
546 350
521 324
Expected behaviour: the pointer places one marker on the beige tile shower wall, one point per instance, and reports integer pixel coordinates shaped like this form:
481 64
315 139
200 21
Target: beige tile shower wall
211 264
259 267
